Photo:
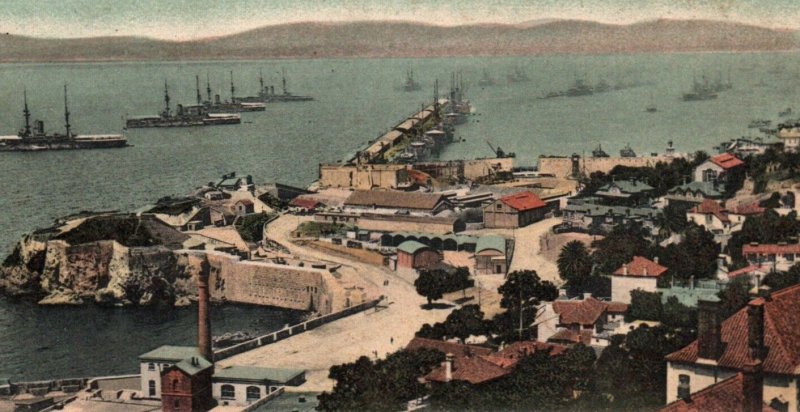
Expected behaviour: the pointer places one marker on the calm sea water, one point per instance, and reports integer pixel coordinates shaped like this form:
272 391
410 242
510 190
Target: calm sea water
356 100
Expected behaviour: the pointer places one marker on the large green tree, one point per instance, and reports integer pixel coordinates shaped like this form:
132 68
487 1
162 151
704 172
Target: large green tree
522 293
431 284
575 265
620 246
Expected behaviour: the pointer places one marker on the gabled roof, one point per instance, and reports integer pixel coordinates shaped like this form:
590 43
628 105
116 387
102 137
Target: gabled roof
523 201
170 353
710 207
306 203
706 189
627 186
781 336
726 161
194 365
771 249
411 247
475 370
246 202
641 267
256 374
518 350
571 336
749 269
723 396
583 312
456 349
393 199
749 209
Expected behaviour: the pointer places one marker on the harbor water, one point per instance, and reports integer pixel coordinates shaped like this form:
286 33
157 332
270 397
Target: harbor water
355 101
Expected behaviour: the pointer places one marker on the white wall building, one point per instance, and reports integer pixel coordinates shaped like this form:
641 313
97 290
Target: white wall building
639 273
152 363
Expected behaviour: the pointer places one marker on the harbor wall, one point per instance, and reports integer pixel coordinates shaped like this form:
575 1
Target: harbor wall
289 331
268 284
562 166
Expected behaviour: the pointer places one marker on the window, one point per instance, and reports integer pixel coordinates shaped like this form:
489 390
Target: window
499 207
151 366
253 393
176 404
151 388
228 392
174 384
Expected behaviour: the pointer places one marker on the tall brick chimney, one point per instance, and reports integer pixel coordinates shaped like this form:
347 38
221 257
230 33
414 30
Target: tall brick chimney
709 328
203 315
753 370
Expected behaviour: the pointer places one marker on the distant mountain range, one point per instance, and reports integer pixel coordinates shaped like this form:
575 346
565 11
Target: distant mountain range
405 39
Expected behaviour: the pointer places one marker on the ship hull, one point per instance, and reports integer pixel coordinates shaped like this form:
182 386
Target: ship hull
78 144
181 122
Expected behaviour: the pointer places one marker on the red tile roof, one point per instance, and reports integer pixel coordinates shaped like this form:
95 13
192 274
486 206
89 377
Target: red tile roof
726 161
305 203
771 249
724 396
617 307
710 207
514 352
523 201
751 209
582 312
474 370
748 270
457 349
641 267
571 336
418 177
781 336
246 202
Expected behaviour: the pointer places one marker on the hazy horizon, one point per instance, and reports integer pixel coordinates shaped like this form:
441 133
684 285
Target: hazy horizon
195 19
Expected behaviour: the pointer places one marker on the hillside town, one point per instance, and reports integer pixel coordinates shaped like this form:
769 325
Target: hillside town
660 282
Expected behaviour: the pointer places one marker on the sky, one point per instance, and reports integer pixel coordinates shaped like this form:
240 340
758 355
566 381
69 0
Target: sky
191 19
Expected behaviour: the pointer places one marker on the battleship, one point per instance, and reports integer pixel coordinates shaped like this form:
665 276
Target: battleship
31 139
701 91
285 96
235 105
184 116
410 84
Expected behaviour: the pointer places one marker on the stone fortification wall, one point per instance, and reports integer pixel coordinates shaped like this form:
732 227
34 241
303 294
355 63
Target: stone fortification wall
562 166
468 169
262 283
362 177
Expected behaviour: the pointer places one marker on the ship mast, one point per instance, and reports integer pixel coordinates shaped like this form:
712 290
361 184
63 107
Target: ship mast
261 79
197 85
232 88
208 87
66 113
26 113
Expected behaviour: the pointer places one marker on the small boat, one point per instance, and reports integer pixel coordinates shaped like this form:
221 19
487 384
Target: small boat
599 152
627 151
759 123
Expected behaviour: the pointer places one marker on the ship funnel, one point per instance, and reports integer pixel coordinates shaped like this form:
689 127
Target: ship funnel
216 99
208 87
39 128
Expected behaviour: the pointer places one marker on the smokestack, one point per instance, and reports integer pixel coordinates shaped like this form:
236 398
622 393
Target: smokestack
709 328
203 315
448 367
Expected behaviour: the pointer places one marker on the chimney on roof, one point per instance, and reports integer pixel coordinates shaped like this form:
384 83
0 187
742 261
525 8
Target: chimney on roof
722 267
644 270
448 367
562 293
203 315
691 282
625 269
587 295
655 259
709 328
684 387
753 371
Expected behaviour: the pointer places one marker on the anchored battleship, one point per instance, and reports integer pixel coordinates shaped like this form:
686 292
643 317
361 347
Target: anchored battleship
233 106
410 84
267 93
184 116
35 139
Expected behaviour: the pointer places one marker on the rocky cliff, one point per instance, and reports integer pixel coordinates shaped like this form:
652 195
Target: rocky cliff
105 272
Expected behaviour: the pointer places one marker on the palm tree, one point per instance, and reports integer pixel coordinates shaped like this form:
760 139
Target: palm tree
574 264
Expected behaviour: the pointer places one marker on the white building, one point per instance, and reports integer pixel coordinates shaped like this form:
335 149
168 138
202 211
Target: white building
780 257
152 363
639 273
715 168
790 138
242 385
762 338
